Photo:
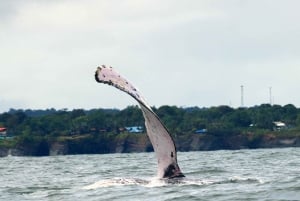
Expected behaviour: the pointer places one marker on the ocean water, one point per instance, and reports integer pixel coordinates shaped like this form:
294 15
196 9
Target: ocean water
261 174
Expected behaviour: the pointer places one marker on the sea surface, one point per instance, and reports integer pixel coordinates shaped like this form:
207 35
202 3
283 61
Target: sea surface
261 174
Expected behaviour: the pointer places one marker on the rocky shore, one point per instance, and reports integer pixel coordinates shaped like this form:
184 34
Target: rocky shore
140 143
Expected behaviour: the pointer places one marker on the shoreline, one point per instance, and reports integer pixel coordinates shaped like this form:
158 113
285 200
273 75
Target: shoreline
139 143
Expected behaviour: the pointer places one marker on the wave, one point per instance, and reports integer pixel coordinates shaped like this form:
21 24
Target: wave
157 182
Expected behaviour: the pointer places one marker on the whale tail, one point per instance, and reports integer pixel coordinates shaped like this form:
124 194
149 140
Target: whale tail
161 140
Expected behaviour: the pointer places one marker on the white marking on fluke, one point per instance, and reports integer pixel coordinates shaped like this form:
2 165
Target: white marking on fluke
162 142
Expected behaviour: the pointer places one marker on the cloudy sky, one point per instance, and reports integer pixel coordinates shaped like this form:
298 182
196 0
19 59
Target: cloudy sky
184 53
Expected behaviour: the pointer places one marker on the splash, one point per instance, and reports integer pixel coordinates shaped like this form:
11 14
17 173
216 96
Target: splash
116 182
148 183
162 142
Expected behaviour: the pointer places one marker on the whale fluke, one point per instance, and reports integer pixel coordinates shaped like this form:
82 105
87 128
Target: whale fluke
162 142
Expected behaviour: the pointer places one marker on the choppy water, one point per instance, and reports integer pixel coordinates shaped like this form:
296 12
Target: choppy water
262 174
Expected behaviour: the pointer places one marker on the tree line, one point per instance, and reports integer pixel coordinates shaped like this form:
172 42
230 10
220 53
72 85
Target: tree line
179 120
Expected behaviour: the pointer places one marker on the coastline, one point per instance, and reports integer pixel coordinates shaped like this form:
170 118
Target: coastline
132 143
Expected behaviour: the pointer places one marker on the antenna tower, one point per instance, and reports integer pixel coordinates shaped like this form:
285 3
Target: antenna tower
270 93
242 96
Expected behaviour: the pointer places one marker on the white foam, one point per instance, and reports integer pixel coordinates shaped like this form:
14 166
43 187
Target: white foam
155 182
245 179
115 182
149 183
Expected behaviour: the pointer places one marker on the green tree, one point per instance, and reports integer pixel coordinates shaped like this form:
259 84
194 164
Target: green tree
239 118
290 114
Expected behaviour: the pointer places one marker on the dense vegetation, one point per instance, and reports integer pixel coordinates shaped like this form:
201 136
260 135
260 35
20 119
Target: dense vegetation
32 126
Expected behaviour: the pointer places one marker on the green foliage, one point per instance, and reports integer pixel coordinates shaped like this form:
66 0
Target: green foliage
100 123
8 143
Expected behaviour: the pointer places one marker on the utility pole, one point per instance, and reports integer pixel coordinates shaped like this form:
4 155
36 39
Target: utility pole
242 96
270 94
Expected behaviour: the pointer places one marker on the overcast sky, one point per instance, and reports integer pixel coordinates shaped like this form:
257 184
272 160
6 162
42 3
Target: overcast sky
184 53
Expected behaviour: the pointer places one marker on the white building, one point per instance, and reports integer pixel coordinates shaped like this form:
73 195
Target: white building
279 125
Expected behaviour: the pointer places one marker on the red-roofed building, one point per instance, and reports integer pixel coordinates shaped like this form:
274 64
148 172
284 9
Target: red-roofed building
2 131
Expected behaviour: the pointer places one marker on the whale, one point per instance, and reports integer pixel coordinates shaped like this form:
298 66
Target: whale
159 136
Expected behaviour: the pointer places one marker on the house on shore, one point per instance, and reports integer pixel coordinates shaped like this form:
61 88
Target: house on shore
3 132
279 125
